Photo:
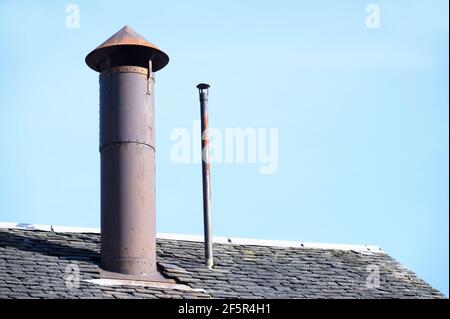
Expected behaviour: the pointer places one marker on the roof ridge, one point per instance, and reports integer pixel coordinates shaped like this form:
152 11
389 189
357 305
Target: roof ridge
199 238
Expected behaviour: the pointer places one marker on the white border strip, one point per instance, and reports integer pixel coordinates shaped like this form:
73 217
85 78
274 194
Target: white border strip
198 238
139 283
58 229
272 243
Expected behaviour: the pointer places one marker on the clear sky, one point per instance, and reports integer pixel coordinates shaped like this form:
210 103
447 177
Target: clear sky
362 116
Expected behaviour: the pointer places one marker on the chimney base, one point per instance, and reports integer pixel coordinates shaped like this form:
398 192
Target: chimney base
153 277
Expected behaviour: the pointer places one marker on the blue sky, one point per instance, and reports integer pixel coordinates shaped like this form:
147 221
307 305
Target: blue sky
362 116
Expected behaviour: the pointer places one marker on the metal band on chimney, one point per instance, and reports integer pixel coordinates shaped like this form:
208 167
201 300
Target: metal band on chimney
124 69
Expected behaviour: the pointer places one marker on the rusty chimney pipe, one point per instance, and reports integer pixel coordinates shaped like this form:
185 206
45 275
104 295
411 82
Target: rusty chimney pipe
126 63
203 94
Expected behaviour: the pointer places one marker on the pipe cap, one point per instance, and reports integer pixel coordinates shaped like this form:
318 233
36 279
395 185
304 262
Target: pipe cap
126 47
202 86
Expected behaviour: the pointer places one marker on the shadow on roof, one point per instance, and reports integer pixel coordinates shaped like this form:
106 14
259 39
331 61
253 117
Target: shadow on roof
25 241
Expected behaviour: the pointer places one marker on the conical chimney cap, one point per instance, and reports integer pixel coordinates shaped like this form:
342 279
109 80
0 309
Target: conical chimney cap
126 47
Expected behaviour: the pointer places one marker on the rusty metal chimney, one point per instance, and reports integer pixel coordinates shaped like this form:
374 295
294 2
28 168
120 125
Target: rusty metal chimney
126 63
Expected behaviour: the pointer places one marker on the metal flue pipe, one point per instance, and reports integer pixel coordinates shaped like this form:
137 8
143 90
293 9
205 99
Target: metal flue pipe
203 93
126 63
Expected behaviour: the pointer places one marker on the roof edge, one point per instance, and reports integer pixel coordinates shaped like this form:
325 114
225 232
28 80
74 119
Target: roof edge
199 238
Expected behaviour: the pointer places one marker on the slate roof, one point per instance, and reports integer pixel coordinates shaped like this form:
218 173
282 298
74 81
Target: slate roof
40 264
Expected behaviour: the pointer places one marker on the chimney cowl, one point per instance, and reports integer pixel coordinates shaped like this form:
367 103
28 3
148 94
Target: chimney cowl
126 47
